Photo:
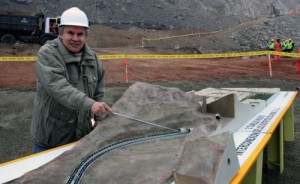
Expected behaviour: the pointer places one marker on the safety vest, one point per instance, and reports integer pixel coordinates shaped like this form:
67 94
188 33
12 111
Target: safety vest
285 46
271 45
290 45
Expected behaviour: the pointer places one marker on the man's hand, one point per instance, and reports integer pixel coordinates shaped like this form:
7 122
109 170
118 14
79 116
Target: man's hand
96 124
100 108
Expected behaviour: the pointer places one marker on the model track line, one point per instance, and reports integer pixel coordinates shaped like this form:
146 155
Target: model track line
78 172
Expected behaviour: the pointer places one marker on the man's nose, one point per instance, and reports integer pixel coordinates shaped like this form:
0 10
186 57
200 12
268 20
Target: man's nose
75 37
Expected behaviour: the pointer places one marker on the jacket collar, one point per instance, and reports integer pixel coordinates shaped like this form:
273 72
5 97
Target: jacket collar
87 58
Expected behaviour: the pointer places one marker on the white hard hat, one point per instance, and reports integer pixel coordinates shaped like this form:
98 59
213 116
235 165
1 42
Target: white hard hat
74 17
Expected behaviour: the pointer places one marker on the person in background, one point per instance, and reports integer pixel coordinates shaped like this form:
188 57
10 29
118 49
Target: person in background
290 45
36 28
70 86
298 65
285 46
52 28
277 48
271 44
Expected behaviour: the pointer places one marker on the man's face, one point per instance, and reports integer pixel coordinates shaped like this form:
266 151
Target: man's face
73 38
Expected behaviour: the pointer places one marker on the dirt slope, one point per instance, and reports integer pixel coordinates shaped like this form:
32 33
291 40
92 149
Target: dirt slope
224 25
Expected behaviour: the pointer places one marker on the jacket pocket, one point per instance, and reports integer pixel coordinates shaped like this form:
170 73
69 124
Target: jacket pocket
61 126
90 84
60 132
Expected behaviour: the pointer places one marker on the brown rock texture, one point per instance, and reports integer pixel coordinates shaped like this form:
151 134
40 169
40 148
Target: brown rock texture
150 162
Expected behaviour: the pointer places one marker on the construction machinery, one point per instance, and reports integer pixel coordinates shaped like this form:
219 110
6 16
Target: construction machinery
29 29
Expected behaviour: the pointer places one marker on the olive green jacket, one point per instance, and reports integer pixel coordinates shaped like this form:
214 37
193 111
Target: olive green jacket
67 87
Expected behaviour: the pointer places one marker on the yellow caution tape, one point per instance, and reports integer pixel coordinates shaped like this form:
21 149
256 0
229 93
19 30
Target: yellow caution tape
180 36
164 56
289 54
116 56
18 58
206 33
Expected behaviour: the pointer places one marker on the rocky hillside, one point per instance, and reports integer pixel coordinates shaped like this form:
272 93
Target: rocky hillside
246 25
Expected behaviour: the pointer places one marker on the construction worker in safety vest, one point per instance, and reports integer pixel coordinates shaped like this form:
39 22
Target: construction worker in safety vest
290 45
271 44
285 46
277 48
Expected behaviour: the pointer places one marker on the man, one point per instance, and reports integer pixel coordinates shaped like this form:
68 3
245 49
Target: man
277 48
52 28
298 66
271 44
290 45
36 28
69 87
285 46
